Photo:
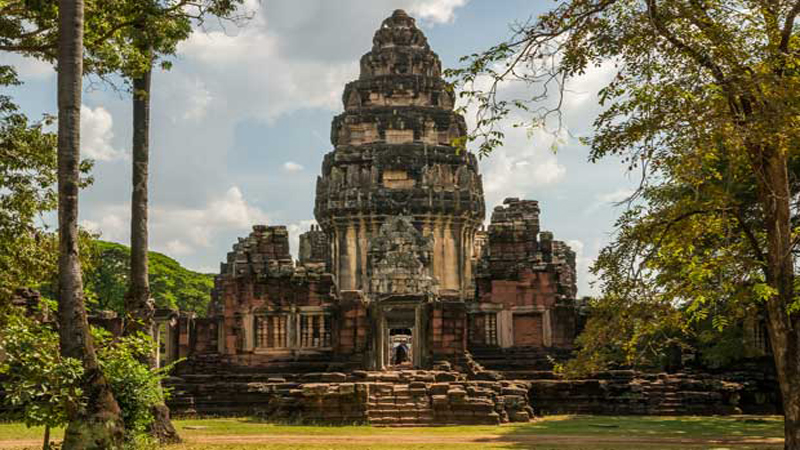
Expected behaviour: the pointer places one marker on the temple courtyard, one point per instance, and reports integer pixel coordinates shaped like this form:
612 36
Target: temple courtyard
553 432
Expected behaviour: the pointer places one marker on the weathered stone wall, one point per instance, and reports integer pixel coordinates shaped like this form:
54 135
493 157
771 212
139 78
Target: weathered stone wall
627 392
269 308
378 398
448 330
354 326
525 283
314 248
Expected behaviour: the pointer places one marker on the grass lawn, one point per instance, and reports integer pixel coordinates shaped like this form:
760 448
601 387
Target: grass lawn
555 432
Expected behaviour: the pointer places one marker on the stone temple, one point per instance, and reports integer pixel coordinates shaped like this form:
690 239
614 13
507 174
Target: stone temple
399 254
400 274
402 308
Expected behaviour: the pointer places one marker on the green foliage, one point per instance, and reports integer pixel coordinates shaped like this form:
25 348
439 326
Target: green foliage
720 346
39 385
136 387
641 334
27 179
171 285
28 250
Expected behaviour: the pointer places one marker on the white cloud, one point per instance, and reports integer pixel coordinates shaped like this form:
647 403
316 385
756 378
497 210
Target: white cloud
616 196
291 167
97 134
176 247
530 157
178 230
196 227
583 262
113 225
266 83
523 164
435 11
288 58
608 199
28 68
198 100
295 230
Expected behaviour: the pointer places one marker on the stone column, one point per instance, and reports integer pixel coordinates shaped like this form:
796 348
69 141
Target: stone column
248 322
547 329
505 328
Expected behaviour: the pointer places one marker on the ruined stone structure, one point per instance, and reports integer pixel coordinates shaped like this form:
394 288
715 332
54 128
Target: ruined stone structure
399 258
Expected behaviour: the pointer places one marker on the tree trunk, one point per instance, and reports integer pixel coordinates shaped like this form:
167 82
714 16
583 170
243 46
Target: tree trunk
97 425
46 444
138 304
784 328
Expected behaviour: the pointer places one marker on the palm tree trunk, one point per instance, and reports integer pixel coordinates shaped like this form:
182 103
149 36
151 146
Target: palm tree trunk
139 306
96 424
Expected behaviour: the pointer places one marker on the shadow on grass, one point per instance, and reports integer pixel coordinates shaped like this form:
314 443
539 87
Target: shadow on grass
555 432
635 432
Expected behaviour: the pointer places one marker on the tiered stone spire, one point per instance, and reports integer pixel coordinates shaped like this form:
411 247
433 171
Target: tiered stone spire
393 155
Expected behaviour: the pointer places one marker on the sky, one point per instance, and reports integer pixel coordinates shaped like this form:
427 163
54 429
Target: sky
241 122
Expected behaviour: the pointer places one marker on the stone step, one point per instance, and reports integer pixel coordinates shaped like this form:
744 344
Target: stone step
400 412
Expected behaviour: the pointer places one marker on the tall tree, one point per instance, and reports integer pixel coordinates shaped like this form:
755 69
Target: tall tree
161 25
695 78
97 423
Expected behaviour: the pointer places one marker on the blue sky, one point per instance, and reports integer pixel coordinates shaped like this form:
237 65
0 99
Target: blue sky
242 121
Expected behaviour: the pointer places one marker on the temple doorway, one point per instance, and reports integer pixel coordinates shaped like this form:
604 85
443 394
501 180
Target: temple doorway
399 335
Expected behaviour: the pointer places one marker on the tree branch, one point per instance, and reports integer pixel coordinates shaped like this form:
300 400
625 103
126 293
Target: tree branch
701 58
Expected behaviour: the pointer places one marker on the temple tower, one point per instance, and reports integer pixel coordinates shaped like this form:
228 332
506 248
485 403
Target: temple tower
393 156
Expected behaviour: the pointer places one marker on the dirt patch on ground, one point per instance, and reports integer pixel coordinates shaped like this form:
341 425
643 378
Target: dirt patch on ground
540 439
473 439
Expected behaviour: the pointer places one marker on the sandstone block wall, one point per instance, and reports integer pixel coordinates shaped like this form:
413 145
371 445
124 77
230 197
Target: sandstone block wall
378 398
525 283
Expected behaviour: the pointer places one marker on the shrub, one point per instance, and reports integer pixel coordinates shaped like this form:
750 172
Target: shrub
40 386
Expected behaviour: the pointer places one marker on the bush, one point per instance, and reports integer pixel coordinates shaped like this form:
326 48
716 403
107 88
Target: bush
136 387
40 385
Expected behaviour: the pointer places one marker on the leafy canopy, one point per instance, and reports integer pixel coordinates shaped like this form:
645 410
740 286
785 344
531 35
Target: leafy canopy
705 104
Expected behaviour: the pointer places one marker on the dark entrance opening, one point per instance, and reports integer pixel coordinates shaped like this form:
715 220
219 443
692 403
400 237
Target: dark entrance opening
400 347
400 333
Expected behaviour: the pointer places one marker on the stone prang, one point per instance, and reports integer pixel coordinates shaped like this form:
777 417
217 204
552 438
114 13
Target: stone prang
393 155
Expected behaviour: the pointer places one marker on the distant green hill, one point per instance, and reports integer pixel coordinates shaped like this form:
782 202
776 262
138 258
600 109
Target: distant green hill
171 285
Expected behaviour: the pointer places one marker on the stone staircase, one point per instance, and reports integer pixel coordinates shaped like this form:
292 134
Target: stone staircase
386 398
399 404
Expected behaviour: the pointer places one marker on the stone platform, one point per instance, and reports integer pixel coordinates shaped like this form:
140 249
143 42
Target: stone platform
385 398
